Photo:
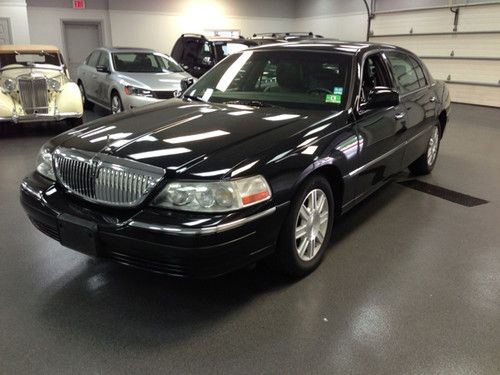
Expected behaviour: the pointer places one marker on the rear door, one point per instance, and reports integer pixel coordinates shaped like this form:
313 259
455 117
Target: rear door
380 130
103 79
417 100
88 74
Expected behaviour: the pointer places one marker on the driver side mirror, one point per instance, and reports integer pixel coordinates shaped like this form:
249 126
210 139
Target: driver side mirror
102 69
381 97
186 83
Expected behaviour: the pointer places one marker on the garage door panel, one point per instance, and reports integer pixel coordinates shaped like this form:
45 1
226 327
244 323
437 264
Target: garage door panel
480 95
483 71
479 18
463 45
425 21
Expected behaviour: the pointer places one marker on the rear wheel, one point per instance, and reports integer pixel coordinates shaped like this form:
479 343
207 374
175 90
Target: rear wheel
116 103
307 229
86 103
426 162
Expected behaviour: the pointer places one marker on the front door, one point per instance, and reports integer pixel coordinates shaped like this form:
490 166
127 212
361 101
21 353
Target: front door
380 130
81 38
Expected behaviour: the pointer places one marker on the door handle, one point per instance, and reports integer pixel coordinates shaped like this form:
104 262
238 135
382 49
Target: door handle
432 99
400 116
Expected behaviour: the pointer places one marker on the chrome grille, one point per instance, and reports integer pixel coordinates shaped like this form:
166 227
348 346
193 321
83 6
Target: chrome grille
34 95
105 179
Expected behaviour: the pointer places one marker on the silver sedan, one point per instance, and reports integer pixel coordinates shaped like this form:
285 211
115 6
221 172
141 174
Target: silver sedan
124 78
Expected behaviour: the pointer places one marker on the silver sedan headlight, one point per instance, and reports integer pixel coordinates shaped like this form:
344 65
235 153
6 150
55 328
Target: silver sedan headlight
44 164
8 85
214 196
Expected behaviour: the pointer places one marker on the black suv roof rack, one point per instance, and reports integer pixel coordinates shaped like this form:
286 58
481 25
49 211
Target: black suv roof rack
286 34
194 34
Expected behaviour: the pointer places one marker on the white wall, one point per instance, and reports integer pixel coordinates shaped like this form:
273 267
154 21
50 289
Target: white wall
339 19
157 24
46 24
15 10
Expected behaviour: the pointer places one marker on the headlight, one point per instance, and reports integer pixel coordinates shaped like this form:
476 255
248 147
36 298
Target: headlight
131 90
9 85
53 84
44 163
214 196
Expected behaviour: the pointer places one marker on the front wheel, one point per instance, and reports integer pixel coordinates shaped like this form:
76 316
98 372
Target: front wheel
307 229
426 162
116 104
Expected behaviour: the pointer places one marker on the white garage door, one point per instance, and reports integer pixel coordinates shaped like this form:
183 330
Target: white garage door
463 50
5 37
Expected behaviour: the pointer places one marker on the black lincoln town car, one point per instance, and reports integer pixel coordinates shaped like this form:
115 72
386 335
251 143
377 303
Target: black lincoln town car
254 161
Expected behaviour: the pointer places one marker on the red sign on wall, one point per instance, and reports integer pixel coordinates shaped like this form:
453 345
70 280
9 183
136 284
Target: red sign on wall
78 4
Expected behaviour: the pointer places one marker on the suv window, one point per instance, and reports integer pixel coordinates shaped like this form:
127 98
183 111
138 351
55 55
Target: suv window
374 74
407 72
92 59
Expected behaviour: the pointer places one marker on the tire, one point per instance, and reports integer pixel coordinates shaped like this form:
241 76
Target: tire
86 103
116 105
426 162
295 253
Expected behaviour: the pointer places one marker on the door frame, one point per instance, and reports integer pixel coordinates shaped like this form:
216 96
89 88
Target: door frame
9 28
74 21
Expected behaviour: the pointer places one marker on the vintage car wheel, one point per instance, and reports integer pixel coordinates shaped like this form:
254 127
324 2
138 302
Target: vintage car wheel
86 103
116 103
426 162
307 229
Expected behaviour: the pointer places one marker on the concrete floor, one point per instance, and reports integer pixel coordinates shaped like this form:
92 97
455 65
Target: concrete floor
410 285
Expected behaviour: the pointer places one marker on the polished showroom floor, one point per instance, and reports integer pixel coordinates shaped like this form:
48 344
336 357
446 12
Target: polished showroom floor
410 285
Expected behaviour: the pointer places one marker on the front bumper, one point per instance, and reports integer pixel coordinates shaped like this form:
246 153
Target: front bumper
132 101
171 242
41 117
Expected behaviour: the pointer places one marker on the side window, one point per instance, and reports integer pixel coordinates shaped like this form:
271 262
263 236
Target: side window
407 71
374 74
104 60
92 59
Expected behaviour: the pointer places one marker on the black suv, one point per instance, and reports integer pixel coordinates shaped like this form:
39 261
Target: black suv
280 37
197 53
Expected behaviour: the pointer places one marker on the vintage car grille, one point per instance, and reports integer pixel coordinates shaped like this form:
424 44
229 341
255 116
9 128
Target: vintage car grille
105 179
34 95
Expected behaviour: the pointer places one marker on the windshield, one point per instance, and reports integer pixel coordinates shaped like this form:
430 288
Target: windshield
29 58
144 62
294 79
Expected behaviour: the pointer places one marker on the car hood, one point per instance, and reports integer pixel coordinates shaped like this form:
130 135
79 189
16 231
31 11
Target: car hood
153 81
176 135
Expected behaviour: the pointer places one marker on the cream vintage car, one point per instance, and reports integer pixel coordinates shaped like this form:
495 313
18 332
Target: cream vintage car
35 86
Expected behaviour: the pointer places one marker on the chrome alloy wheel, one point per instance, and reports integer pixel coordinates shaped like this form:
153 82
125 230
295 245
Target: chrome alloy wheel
116 105
432 148
311 224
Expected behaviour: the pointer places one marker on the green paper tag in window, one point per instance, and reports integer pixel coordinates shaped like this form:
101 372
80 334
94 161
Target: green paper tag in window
332 98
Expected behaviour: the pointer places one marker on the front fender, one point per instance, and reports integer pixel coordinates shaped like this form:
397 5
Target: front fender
6 105
69 99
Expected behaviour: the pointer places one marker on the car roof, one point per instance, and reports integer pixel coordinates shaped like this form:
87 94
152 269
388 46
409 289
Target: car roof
126 49
324 44
9 48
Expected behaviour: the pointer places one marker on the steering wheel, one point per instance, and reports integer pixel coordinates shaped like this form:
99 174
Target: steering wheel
319 90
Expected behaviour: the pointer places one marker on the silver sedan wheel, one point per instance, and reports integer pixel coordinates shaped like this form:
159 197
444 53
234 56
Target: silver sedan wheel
311 224
116 105
432 148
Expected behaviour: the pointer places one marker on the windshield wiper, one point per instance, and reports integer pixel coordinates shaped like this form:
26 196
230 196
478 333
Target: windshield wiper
253 103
